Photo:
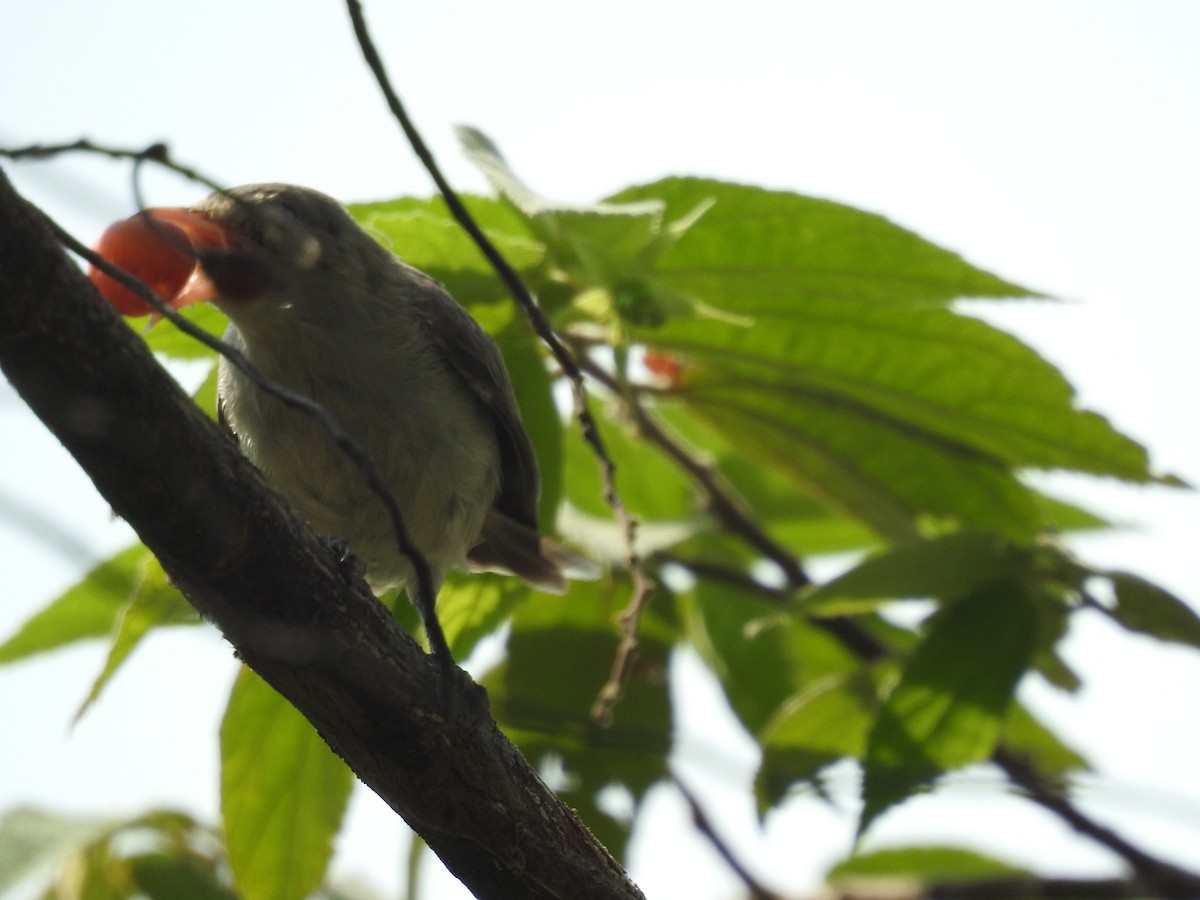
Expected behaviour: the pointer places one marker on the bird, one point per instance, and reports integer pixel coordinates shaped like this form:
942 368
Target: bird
319 306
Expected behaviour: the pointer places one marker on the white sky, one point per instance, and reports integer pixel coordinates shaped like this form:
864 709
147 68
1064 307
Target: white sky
1054 142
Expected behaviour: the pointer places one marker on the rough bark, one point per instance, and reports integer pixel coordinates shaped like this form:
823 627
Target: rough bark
244 560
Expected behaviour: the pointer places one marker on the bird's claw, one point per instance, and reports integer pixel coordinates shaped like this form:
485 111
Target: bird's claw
351 567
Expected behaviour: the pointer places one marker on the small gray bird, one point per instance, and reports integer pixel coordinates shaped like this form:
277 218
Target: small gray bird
320 307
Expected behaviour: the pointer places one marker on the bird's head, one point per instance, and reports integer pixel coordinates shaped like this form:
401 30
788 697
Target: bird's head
254 246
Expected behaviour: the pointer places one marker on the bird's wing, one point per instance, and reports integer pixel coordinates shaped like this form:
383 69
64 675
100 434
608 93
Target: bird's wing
475 358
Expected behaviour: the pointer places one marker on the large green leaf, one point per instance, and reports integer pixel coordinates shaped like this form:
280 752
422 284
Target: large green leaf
777 248
560 653
89 609
283 794
949 706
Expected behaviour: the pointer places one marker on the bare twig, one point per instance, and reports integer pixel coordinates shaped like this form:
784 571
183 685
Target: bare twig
157 153
758 891
643 585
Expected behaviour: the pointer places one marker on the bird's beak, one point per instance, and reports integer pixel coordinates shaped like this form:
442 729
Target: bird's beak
163 247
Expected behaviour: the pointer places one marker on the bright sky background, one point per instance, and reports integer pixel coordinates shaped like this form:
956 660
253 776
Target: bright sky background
1055 143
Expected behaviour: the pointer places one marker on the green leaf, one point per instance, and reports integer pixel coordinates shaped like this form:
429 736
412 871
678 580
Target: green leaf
283 794
163 876
604 244
945 567
889 412
89 609
1027 738
168 340
560 653
1147 609
778 249
31 839
948 707
822 724
154 603
762 653
473 606
925 864
423 234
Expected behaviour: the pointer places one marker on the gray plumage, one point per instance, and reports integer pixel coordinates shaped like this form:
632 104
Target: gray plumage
325 310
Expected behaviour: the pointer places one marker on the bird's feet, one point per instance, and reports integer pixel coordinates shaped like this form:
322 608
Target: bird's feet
351 567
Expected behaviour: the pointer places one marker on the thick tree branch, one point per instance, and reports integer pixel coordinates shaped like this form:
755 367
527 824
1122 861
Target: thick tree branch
248 564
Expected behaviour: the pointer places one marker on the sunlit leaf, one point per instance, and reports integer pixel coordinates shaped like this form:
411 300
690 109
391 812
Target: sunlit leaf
949 706
154 603
89 609
780 248
283 794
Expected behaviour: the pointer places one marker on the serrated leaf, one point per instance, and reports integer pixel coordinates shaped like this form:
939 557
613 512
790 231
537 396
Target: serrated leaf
154 603
945 568
822 724
283 794
953 695
924 864
1148 609
89 609
779 249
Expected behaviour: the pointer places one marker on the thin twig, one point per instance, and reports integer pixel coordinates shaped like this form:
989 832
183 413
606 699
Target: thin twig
1149 869
157 153
703 824
643 585
437 639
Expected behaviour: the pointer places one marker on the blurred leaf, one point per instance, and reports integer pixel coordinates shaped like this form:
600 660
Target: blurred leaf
471 607
822 724
163 876
945 567
1026 737
89 609
762 652
283 794
154 603
925 864
780 249
560 653
1147 609
168 340
31 839
205 396
953 695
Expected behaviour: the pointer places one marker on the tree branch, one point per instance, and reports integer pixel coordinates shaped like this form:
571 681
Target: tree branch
245 561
